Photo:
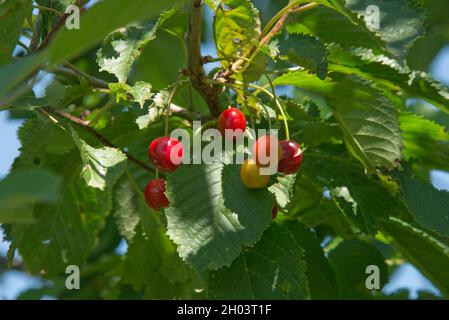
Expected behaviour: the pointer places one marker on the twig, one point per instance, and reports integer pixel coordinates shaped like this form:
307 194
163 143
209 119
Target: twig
195 71
169 102
57 26
276 102
16 265
85 125
72 71
24 46
51 10
274 28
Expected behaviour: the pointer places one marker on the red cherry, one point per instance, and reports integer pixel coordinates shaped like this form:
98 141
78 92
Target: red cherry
155 194
291 157
232 119
165 153
274 212
264 148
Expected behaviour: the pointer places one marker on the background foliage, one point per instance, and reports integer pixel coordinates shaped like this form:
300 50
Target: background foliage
354 97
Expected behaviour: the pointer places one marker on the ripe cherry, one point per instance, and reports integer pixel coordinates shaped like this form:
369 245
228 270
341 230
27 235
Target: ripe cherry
232 119
165 153
274 212
266 150
155 194
291 157
251 177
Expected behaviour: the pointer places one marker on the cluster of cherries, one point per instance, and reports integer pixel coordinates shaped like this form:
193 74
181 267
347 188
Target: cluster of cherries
166 154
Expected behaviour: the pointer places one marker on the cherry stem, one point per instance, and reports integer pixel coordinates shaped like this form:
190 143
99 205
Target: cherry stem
268 115
245 104
278 105
169 102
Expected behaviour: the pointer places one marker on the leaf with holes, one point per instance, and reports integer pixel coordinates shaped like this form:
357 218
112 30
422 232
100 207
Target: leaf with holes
236 25
102 166
283 189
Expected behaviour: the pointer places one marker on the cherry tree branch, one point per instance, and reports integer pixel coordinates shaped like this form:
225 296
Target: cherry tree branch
71 71
85 125
195 71
58 26
238 65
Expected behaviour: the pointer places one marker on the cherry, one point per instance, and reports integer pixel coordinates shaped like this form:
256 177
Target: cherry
232 119
165 153
274 212
263 150
291 157
251 177
155 194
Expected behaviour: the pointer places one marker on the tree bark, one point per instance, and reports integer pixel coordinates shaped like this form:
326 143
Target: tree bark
200 82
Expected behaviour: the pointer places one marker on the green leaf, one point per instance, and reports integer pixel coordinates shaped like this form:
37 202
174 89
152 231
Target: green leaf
39 137
429 206
148 263
350 261
367 119
59 5
174 21
102 166
273 269
424 140
328 213
388 74
236 25
54 95
428 253
64 233
256 68
151 262
121 48
140 92
126 210
317 133
320 275
331 26
23 188
141 262
305 51
17 71
401 22
155 110
69 44
12 15
207 218
283 189
346 22
363 198
147 119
